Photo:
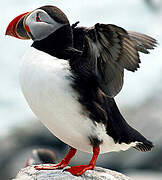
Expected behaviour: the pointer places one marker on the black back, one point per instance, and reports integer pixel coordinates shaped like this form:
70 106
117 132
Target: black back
100 107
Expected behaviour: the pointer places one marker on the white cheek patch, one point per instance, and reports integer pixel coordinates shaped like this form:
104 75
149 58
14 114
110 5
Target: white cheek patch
41 31
46 26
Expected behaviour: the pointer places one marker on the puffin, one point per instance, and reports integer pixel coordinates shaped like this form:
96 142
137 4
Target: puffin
41 156
70 76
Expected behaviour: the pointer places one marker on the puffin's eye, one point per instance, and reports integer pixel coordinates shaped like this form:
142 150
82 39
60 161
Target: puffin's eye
38 19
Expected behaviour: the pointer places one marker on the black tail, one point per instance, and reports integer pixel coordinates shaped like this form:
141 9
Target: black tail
121 131
144 146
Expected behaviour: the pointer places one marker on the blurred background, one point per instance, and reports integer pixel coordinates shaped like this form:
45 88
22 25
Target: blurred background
140 99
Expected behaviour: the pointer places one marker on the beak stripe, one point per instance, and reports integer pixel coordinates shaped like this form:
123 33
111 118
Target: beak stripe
27 28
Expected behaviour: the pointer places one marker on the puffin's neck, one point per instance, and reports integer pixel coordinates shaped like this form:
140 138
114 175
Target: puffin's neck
57 43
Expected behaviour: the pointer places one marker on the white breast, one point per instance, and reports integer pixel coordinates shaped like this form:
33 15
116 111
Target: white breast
46 85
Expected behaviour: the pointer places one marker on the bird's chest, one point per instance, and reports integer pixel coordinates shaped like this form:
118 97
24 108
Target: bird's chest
46 85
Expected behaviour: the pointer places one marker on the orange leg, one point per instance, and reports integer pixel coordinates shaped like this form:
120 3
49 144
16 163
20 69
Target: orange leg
65 161
79 170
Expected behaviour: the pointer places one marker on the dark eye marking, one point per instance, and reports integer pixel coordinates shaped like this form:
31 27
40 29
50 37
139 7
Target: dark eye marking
38 18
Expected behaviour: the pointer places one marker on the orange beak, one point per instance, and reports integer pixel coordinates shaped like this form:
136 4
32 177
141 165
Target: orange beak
17 27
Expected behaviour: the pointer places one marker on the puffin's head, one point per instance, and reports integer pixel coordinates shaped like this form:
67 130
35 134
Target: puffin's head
37 24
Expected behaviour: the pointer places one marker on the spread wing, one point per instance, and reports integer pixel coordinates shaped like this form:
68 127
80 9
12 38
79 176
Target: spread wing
108 50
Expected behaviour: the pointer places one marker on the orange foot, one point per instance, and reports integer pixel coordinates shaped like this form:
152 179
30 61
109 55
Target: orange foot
60 165
75 170
79 170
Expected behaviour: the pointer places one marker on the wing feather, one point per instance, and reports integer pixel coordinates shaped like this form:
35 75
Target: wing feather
143 42
109 49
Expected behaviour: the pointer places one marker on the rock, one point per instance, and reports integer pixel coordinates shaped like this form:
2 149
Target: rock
29 173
